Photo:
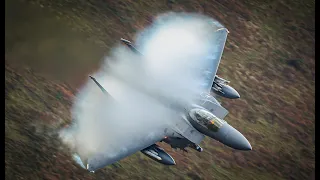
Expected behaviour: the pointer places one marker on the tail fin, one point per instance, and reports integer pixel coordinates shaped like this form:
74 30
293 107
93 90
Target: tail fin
102 89
130 45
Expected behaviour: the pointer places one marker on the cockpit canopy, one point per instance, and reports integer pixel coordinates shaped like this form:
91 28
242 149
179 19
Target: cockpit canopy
206 119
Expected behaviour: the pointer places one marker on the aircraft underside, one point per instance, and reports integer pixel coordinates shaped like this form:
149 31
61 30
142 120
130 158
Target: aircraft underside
203 116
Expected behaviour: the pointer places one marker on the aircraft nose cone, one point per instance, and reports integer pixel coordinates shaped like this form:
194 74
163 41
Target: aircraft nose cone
234 139
238 141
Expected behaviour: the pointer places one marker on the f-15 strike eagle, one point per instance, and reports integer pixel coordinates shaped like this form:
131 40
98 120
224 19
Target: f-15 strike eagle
203 118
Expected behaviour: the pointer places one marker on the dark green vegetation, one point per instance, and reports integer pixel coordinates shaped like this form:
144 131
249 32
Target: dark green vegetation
52 45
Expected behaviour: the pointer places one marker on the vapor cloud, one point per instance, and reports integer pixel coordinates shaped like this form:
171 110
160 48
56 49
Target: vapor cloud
171 70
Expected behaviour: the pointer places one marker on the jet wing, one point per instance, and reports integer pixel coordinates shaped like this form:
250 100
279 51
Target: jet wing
123 128
153 40
103 159
212 61
183 130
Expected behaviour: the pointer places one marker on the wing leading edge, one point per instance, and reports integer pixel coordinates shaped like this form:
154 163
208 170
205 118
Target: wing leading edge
212 61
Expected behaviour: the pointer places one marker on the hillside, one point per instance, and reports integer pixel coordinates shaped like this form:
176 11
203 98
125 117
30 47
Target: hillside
52 45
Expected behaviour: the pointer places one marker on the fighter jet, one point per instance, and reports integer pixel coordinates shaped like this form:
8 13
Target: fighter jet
204 118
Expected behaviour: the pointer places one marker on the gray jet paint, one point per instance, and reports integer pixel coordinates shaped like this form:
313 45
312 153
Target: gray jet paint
194 125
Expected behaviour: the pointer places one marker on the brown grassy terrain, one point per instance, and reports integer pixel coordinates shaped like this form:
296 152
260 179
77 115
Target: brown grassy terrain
52 45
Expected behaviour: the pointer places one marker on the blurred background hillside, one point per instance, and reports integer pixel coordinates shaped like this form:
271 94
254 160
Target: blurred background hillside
52 45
